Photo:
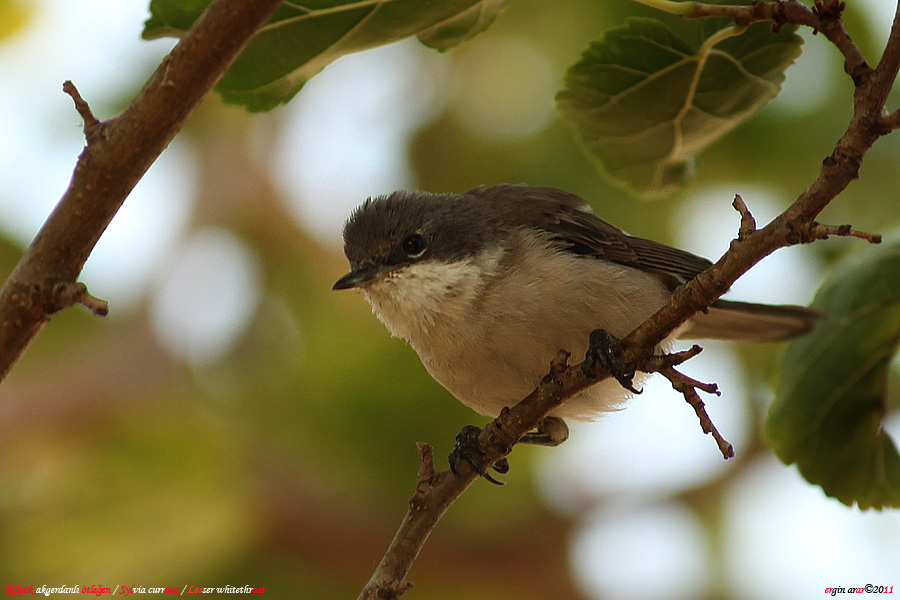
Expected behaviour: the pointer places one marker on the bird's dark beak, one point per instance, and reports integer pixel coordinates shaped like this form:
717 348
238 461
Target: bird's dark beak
356 278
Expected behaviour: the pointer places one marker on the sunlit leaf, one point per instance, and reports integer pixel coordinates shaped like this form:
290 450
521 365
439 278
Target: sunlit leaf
828 415
646 101
302 39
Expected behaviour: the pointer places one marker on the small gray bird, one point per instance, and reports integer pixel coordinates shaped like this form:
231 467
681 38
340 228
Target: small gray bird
489 285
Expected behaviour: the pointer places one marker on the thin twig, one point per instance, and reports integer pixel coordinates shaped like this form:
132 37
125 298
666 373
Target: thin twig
660 362
811 231
748 223
831 25
665 364
688 388
67 293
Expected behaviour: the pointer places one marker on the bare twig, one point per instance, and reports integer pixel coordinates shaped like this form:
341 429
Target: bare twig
68 294
665 364
658 362
748 223
810 231
118 153
832 27
796 225
91 123
688 388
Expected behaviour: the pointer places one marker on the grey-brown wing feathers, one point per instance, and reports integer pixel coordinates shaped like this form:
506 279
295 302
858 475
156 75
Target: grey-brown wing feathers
568 219
589 234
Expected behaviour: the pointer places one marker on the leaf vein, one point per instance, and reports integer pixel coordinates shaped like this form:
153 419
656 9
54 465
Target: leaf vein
315 13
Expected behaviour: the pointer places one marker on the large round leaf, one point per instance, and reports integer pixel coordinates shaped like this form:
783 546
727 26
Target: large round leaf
646 101
832 399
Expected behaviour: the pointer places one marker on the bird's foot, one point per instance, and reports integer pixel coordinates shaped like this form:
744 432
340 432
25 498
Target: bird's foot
467 448
601 352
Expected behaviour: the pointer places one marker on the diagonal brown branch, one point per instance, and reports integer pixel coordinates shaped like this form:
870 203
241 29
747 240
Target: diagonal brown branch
118 153
797 224
436 492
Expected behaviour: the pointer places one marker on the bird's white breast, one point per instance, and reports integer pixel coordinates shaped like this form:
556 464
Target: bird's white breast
487 332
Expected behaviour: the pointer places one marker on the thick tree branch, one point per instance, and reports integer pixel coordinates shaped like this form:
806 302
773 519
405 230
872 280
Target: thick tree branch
436 491
118 153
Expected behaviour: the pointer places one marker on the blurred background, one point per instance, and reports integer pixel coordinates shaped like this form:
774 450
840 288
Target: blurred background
235 422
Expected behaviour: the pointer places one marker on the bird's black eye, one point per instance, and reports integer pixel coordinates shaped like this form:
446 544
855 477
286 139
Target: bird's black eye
414 245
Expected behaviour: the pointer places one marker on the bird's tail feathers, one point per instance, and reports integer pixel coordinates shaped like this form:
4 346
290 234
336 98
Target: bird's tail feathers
749 322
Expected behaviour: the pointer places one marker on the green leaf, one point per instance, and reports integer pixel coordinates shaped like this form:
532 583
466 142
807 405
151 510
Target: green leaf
833 393
645 101
301 40
461 26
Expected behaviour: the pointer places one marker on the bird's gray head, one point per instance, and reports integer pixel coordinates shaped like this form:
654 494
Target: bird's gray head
388 233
